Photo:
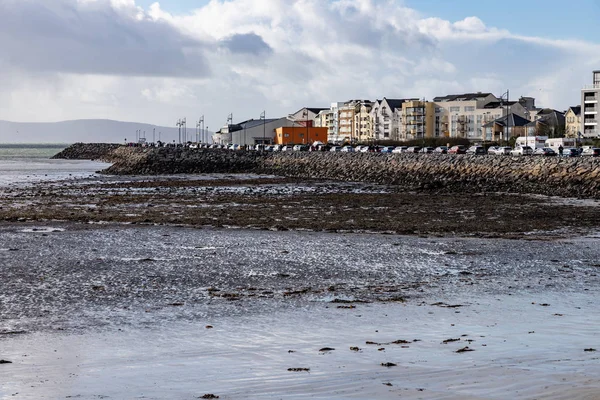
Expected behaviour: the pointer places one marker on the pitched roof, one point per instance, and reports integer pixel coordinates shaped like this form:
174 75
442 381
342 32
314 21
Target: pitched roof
316 110
251 123
462 97
496 104
397 103
513 120
576 110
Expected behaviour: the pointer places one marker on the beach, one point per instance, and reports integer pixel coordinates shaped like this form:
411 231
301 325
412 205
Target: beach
242 286
121 311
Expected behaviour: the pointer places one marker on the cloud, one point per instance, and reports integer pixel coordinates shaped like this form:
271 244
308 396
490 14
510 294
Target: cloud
94 37
249 43
114 59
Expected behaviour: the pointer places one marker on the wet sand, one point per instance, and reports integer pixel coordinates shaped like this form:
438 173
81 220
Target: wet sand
258 202
126 311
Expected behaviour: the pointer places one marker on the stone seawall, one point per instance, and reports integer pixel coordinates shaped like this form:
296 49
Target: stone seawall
567 177
88 151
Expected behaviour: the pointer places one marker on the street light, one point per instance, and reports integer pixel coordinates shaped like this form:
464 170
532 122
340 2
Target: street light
263 117
305 115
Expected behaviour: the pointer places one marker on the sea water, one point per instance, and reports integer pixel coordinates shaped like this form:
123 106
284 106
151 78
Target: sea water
31 163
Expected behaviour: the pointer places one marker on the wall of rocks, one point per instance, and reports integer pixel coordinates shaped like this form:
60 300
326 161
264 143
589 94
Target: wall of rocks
88 151
566 177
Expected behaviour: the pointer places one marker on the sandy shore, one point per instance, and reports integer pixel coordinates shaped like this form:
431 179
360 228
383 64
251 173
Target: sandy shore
521 350
118 311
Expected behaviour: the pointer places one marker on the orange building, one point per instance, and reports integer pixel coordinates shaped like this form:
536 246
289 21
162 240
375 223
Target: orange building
300 135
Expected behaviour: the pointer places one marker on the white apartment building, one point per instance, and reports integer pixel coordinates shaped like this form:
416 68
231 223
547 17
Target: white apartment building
386 118
464 115
333 123
590 100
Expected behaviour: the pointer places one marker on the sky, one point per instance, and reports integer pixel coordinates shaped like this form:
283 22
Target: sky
156 62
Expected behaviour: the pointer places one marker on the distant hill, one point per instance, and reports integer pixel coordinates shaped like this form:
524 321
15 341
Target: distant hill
85 130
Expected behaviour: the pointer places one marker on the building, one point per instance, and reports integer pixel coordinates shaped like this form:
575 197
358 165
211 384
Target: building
418 120
590 97
363 125
548 122
251 132
502 129
573 122
463 115
300 135
306 116
353 121
386 118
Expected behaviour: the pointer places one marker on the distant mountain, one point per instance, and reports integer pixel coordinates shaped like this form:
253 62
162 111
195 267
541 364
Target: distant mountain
87 131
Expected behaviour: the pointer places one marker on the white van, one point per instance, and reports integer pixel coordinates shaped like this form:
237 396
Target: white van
554 144
535 142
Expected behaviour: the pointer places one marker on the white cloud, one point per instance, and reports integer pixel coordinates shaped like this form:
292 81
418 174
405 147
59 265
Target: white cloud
67 59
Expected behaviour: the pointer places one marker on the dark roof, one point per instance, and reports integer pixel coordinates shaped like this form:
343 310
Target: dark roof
513 120
546 111
397 103
576 110
316 110
464 96
496 104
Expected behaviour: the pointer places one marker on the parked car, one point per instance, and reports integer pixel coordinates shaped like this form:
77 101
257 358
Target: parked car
300 147
276 147
544 151
399 149
521 151
387 149
426 150
570 152
591 151
286 147
460 149
441 149
477 150
347 149
413 149
336 149
499 150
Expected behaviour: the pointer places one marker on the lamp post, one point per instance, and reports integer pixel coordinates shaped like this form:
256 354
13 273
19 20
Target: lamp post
305 115
263 117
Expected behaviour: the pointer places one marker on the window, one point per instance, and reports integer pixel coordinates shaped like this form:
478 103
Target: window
286 135
454 109
469 108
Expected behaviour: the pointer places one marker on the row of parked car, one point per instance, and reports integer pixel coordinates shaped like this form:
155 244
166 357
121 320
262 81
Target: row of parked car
459 149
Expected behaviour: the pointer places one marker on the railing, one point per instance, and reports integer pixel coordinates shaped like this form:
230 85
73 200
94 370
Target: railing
596 86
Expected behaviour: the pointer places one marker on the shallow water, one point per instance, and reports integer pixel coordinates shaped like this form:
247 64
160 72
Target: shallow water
28 165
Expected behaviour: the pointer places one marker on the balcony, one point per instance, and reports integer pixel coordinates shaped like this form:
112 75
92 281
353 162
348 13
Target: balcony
590 110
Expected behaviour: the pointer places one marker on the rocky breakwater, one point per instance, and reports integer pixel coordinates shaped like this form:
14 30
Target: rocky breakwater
88 151
169 160
567 177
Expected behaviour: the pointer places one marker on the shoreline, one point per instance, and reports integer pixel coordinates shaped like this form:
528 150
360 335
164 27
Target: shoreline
255 202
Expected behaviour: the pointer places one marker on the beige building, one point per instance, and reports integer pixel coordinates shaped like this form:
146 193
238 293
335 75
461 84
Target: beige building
418 120
464 115
573 122
354 123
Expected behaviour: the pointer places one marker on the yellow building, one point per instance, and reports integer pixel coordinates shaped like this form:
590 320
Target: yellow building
573 122
418 120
